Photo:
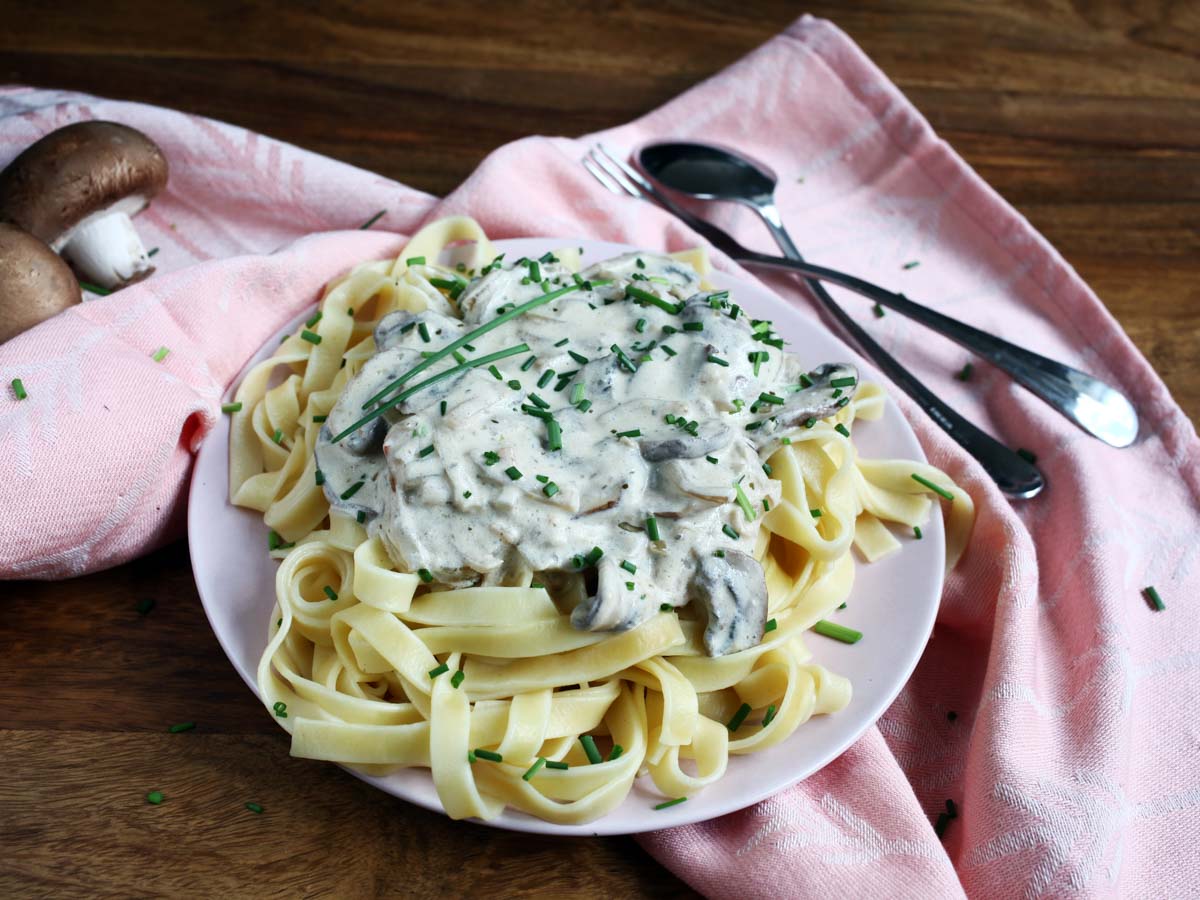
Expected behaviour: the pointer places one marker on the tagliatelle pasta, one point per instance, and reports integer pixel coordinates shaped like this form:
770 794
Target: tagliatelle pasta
490 685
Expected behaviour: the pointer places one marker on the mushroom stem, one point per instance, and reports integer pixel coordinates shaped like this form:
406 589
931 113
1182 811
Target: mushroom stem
105 249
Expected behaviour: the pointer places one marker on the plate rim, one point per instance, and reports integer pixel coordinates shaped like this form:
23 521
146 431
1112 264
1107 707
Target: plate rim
216 442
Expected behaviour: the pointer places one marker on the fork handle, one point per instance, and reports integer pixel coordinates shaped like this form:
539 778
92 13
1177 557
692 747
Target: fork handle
1013 475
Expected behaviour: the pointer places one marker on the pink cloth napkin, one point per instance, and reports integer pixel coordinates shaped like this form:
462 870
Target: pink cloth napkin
1053 706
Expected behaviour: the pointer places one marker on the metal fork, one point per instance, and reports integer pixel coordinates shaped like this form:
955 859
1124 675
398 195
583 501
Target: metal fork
1016 477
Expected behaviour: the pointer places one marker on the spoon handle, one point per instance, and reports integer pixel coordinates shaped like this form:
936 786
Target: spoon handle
1090 403
1014 476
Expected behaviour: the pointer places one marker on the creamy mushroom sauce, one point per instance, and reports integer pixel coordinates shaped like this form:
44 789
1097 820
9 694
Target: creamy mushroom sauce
458 480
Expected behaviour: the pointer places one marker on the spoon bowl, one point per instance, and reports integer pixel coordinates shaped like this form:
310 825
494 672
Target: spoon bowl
708 171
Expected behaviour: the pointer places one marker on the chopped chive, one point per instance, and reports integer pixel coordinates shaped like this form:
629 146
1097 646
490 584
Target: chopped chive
553 435
629 585
578 357
772 399
94 288
371 221
667 350
716 360
225 407
665 607
1028 455
728 529
589 747
528 364
841 429
533 770
425 451
584 406
843 402
640 326
1155 600
330 593
593 556
514 473
632 433
538 401
809 422
18 389
878 310
423 331
767 470
629 567
911 265
941 492
489 755
425 575
144 606
964 374
576 393
440 670
160 354
734 311
550 489
616 752
181 727
457 678
744 502
917 532
495 373
277 437
562 343
693 326
442 407
154 798
255 808
640 263
466 495
635 293
536 412
719 554
943 822
739 717
471 757
535 271
491 457
151 252
785 441
415 261
667 803
624 361
556 764
837 632
842 382
815 513
546 378
770 715
652 528
360 516
316 317
770 626
514 384
280 709
712 459
352 490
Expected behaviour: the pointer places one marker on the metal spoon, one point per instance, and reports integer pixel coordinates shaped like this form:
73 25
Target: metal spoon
711 172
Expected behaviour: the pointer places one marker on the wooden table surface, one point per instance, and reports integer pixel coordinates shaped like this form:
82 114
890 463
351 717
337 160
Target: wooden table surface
1085 116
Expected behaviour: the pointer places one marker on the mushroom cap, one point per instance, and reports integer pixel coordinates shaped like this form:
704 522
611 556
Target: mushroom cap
76 171
35 283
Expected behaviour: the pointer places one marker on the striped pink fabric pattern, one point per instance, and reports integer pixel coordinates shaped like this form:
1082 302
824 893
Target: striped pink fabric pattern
1054 711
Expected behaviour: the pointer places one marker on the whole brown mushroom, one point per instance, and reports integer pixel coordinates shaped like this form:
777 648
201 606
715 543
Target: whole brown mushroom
77 188
34 283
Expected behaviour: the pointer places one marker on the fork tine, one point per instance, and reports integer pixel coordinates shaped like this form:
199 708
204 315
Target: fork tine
631 173
601 177
607 163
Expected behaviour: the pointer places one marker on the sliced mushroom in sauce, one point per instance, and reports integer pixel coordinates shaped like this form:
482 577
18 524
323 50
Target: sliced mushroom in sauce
659 408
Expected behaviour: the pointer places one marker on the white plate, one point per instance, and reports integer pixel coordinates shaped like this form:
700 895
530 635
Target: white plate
893 602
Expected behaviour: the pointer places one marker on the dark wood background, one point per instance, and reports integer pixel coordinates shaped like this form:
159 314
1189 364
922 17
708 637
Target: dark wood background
1086 116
